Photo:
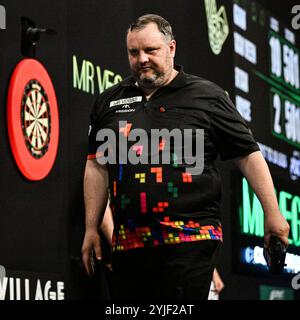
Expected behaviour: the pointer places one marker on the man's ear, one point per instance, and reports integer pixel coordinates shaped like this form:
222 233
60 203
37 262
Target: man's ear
172 47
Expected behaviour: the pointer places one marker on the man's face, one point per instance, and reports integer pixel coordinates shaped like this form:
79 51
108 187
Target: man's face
150 56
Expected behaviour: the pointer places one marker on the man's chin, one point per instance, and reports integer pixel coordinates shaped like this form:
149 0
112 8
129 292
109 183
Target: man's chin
147 81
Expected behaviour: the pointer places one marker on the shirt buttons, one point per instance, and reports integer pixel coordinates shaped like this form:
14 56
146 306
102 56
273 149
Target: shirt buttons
162 109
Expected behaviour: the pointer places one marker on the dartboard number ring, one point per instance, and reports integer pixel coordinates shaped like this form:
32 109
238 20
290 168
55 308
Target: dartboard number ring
33 121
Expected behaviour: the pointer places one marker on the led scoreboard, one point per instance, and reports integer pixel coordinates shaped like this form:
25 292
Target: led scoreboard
267 95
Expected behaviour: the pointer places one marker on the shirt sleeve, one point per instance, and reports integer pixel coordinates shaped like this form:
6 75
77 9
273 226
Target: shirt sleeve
94 127
232 135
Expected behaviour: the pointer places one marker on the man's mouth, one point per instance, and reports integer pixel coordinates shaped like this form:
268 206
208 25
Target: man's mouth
145 68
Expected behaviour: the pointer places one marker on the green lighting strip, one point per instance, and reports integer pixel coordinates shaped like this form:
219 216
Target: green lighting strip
287 92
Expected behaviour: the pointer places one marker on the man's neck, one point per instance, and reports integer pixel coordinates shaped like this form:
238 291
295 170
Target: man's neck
149 92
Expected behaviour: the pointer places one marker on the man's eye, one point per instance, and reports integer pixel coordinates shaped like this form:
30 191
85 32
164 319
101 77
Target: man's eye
133 52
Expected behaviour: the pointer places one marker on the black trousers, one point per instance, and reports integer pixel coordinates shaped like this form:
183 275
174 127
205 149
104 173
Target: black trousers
168 272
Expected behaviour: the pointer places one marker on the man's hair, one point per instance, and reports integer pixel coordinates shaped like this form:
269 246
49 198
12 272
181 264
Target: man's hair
162 24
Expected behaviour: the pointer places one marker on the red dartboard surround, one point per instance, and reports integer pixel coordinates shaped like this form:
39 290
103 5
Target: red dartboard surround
32 119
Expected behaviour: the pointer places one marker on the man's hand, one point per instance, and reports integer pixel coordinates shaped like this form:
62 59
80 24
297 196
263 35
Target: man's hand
91 247
218 282
277 225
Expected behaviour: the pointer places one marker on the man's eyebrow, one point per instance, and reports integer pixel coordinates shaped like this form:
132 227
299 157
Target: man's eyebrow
132 49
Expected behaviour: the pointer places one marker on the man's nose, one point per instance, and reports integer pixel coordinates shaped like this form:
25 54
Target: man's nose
143 58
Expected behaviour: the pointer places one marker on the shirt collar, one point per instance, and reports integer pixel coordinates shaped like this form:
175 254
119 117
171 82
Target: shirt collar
178 82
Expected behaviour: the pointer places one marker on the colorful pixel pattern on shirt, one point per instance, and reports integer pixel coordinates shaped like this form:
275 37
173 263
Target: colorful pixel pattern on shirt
133 237
154 223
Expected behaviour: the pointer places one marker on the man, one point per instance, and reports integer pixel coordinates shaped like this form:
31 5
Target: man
216 286
167 214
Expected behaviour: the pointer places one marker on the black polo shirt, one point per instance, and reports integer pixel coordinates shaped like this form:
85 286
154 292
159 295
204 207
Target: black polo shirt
162 203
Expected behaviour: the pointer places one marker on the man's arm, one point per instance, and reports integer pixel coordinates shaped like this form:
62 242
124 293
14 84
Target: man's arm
95 199
107 226
256 171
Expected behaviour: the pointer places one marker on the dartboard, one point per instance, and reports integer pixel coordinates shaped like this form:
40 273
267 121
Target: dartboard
36 119
32 118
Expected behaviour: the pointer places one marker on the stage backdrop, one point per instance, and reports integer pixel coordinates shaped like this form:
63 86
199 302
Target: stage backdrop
251 52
